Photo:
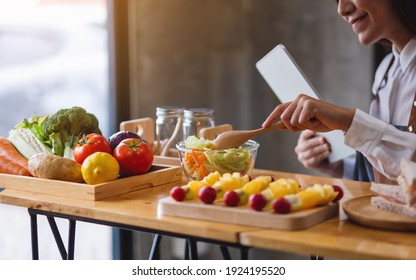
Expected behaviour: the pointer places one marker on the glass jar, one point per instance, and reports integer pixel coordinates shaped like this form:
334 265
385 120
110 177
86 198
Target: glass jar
168 127
196 118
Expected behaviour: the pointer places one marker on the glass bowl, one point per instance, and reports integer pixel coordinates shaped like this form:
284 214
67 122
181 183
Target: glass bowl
197 163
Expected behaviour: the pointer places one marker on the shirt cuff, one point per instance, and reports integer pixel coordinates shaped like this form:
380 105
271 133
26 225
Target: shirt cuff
365 132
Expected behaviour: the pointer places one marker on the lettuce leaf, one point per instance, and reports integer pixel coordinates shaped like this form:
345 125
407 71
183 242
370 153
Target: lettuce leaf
193 142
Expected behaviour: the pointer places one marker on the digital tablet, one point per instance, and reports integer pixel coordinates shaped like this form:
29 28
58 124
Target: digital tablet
287 81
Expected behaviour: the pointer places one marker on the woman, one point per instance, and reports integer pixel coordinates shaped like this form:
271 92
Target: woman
386 135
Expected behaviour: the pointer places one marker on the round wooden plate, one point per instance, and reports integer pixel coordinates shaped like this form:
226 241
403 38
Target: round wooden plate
360 210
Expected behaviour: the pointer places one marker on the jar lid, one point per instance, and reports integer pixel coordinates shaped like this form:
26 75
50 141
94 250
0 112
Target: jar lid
199 112
169 111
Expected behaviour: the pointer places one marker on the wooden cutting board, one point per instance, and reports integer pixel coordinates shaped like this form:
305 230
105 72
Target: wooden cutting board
361 211
243 215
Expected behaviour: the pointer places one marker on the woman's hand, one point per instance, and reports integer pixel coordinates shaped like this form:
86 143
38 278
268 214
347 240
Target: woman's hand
313 152
306 112
311 149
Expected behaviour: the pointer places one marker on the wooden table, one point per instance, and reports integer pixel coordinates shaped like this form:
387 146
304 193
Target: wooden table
136 211
335 238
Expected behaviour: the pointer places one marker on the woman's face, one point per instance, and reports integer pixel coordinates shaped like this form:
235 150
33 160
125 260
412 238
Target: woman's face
373 20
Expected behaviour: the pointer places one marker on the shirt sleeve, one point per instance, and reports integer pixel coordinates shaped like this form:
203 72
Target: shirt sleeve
382 144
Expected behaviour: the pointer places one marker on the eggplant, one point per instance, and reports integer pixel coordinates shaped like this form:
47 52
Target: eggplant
117 137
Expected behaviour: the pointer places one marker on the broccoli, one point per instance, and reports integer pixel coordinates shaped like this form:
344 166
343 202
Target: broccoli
66 126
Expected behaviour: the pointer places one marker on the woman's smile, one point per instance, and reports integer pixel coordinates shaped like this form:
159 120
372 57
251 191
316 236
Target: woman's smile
359 23
374 21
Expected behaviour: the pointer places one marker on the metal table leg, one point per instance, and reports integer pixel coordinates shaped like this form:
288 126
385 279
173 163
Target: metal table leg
244 253
58 239
193 249
316 257
186 254
122 238
225 252
122 244
56 234
71 239
154 252
34 235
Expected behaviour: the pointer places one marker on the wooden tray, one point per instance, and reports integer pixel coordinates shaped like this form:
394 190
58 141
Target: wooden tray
360 211
158 175
243 215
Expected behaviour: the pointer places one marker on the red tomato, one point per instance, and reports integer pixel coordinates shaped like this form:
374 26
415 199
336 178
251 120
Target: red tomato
90 144
134 156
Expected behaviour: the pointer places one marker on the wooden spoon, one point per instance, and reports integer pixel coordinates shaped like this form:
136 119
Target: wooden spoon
236 138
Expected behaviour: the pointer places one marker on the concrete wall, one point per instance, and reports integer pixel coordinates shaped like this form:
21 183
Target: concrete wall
202 53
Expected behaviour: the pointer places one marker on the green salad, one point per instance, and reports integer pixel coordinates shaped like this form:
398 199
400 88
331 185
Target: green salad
200 157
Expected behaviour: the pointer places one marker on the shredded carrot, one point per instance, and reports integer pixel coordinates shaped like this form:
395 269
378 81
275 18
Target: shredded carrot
195 157
188 159
201 173
204 171
193 168
199 163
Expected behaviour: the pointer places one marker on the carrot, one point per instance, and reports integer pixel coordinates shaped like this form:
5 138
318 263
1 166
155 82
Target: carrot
204 169
199 163
11 161
195 157
189 161
193 168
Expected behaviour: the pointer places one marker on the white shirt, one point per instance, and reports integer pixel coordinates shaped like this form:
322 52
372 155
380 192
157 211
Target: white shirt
374 134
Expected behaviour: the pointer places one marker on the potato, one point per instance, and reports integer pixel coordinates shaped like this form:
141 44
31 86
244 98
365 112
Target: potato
49 166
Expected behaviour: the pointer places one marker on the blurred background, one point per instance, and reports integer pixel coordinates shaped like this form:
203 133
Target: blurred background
53 54
120 59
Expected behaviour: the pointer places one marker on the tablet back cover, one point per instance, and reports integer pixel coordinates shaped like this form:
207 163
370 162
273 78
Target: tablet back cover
287 81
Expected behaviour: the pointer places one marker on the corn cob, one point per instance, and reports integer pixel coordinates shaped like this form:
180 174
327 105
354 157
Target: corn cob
26 142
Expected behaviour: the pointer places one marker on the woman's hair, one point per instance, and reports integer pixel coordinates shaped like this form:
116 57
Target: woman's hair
406 10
